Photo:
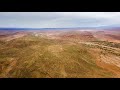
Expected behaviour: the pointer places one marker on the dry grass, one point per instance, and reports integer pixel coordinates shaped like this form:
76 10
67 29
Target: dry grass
36 57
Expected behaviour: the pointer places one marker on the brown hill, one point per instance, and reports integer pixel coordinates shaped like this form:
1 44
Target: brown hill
80 35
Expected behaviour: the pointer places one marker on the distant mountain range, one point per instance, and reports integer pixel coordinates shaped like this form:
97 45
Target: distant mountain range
33 28
102 27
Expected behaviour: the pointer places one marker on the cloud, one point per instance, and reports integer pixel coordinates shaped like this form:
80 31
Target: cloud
58 19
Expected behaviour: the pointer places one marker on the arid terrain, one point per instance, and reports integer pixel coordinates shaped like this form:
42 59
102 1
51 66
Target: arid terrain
60 54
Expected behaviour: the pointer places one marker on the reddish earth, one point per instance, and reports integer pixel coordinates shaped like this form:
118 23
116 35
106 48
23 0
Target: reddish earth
7 36
104 35
109 59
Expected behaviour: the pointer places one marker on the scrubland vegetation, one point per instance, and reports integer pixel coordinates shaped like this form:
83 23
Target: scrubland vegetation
39 57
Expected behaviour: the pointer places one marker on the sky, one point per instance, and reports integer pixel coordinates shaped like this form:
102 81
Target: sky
58 19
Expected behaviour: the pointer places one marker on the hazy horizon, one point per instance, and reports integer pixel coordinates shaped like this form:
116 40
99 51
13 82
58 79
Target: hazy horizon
58 19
